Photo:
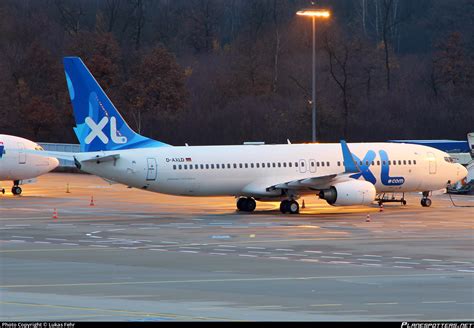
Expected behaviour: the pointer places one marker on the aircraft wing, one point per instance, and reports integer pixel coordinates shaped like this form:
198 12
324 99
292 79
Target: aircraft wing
312 183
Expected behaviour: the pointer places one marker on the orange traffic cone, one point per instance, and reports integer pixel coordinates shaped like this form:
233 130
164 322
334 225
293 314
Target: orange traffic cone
381 208
55 214
368 218
303 205
92 201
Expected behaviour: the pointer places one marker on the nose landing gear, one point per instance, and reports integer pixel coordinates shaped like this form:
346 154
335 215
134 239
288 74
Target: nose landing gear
425 201
16 190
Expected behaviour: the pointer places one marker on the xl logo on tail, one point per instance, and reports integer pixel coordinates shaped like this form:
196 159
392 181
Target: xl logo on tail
97 131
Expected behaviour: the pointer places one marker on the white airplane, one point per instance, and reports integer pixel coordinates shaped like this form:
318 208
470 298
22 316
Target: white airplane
19 166
110 149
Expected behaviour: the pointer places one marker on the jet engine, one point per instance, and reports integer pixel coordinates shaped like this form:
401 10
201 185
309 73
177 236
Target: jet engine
354 192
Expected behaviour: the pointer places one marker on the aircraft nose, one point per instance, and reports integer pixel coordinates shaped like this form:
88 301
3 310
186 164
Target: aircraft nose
53 163
462 172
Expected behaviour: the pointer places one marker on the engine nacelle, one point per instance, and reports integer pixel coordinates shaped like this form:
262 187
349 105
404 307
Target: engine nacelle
355 192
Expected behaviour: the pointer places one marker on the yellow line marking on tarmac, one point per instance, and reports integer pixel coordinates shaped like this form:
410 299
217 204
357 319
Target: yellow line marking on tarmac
116 312
223 280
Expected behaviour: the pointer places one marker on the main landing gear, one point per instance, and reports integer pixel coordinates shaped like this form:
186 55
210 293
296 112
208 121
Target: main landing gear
289 206
16 190
246 204
425 201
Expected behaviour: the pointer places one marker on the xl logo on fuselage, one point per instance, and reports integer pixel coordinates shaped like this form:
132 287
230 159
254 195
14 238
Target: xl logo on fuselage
97 131
365 172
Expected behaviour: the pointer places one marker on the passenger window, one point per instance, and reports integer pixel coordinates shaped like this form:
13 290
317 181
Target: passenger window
338 163
367 163
251 165
196 167
240 165
190 166
185 167
179 167
174 167
414 162
394 162
409 162
360 162
389 163
284 164
290 164
302 164
246 166
263 164
217 166
378 163
317 164
235 165
228 166
273 164
312 163
279 164
383 163
373 163
328 164
258 165
404 162
399 162
322 163
212 166
296 164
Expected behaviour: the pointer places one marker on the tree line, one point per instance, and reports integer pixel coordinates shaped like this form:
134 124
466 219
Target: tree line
228 71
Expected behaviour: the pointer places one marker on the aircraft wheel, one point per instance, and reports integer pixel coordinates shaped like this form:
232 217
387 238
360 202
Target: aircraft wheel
16 190
250 205
3 191
246 204
425 202
294 207
285 206
241 203
404 202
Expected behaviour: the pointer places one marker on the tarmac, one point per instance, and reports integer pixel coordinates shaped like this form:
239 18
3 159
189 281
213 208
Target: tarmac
140 256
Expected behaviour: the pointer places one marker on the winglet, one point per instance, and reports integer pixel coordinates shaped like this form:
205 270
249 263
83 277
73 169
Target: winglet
350 165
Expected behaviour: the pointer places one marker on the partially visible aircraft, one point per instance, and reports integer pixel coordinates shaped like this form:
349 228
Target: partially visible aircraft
342 174
20 166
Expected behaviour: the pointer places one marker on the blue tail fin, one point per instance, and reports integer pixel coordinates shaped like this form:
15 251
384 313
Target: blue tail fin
99 126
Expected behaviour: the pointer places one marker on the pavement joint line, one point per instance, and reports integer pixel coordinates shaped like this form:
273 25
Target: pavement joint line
228 280
119 312
323 305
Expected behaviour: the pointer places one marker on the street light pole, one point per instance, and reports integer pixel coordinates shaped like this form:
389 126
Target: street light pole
323 14
313 101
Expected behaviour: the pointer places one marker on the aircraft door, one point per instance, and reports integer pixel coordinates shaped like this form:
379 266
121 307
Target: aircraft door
432 163
21 153
152 169
312 166
302 166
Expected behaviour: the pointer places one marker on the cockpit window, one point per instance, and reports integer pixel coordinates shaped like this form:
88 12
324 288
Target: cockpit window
449 159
